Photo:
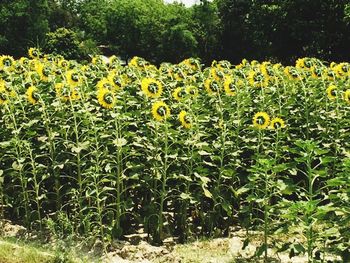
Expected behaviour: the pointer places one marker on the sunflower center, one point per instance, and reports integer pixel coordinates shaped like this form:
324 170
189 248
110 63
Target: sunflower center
187 119
153 88
232 86
3 96
260 120
35 96
161 111
334 92
7 62
214 86
46 72
75 77
277 125
108 98
258 77
117 81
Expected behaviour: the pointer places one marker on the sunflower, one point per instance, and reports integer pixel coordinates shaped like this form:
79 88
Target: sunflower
66 92
211 85
329 74
24 61
192 91
3 95
192 63
6 62
316 72
116 80
292 73
342 69
179 93
257 79
105 83
33 52
151 87
160 111
43 71
332 92
185 120
73 78
217 73
62 63
106 98
277 123
32 95
230 87
261 120
347 95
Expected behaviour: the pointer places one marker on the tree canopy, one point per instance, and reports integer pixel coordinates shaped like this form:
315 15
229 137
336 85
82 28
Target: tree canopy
279 30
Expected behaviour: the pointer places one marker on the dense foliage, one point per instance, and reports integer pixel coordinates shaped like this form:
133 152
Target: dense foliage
104 150
278 30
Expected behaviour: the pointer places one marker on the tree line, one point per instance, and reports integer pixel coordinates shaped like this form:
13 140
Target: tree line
277 30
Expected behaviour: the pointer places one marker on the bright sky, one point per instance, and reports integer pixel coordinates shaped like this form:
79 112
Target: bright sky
186 2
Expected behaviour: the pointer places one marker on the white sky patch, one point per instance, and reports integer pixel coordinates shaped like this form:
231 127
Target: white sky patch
187 3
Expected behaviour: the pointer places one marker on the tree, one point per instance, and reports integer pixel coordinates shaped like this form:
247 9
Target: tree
24 23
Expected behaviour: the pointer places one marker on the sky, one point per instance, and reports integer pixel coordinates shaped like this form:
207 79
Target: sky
186 2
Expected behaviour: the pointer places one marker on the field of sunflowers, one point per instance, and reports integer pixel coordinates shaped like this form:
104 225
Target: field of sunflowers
104 149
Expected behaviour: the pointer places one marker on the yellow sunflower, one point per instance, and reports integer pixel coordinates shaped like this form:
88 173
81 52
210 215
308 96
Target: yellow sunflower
73 78
43 71
62 63
6 62
179 93
292 73
332 92
33 52
66 92
185 120
230 87
116 80
261 120
106 98
32 95
316 72
277 123
211 85
24 61
257 79
151 87
105 83
347 95
192 91
160 111
3 95
342 69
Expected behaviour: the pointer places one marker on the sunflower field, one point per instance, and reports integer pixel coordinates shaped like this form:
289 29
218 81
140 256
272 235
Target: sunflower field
105 149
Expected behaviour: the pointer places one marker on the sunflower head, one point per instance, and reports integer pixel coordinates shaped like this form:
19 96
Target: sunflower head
32 95
332 92
316 72
4 97
43 71
212 85
160 111
151 87
62 63
116 80
257 79
192 91
261 120
347 96
185 120
179 93
106 98
33 53
6 62
230 86
277 123
105 83
73 78
292 73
